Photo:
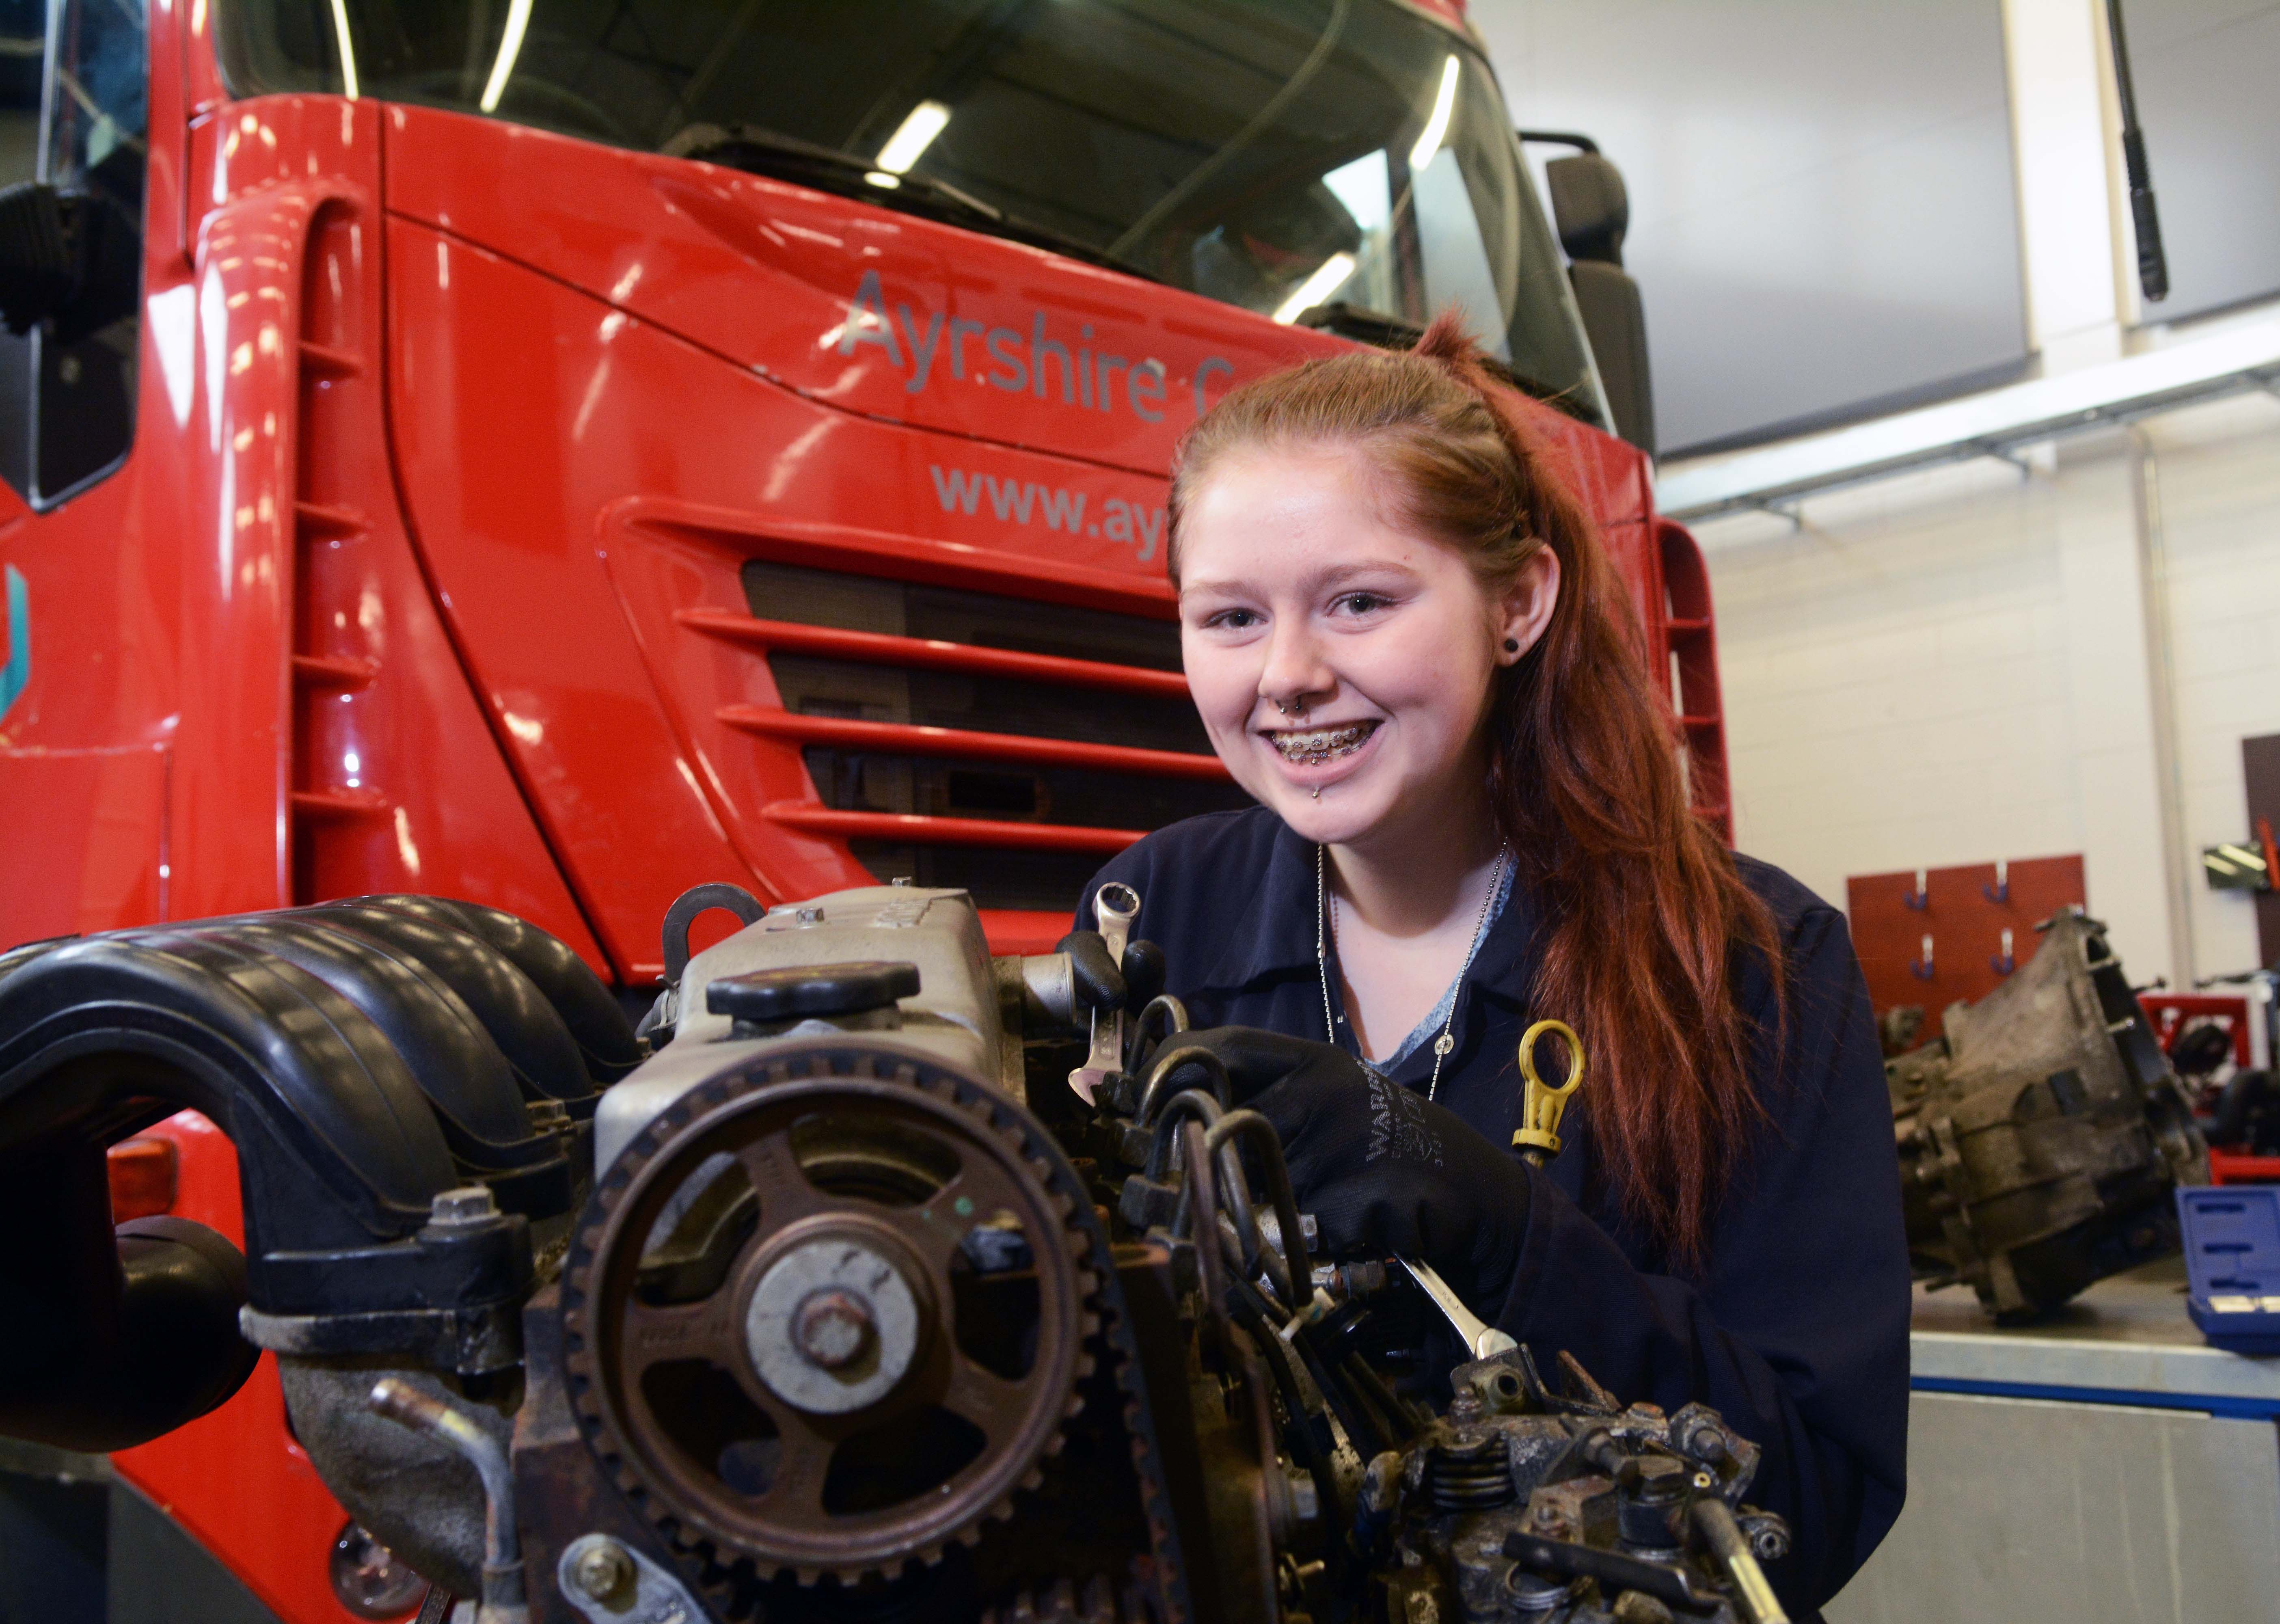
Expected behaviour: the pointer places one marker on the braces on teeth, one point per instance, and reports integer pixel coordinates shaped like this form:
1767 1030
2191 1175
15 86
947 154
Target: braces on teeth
1322 743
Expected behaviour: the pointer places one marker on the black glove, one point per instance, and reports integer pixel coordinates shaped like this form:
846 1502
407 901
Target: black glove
1100 985
1383 1170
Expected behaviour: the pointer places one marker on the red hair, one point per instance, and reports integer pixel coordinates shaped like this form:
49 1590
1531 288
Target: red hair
1645 916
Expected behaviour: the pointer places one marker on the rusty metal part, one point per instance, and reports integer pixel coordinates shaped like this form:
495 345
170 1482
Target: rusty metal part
416 1494
692 1427
503 1597
1062 1603
1731 1546
835 1324
609 1582
2041 1137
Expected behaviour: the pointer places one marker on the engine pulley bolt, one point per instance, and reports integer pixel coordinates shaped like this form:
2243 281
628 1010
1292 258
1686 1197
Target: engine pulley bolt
602 1570
831 1328
469 1203
833 1325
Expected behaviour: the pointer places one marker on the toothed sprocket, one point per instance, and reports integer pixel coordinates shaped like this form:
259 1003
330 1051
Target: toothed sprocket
872 1341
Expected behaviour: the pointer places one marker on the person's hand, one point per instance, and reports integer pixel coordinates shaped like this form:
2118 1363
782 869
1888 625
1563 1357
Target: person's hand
1100 985
1384 1170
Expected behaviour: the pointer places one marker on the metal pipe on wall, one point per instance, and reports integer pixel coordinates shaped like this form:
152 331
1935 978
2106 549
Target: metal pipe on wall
2160 672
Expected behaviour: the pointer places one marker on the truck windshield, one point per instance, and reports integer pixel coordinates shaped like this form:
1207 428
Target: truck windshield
1345 157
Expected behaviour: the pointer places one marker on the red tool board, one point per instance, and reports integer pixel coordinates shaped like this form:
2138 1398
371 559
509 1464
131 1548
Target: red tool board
1931 937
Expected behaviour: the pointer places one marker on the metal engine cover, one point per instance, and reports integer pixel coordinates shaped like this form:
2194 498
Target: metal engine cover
954 1019
2040 1138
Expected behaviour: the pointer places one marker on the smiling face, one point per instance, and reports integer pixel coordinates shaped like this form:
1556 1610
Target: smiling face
1330 648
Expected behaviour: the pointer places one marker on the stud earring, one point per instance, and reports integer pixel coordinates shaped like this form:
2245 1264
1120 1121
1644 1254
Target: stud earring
1511 645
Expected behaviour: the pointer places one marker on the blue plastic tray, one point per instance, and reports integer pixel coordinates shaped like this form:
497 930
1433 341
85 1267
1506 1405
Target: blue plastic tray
2232 1254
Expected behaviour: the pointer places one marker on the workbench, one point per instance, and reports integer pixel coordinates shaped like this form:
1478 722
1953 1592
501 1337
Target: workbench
2105 1466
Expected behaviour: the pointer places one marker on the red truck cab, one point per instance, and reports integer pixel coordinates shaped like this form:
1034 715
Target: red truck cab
555 454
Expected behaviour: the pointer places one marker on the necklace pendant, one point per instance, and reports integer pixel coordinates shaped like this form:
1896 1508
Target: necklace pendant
1442 1044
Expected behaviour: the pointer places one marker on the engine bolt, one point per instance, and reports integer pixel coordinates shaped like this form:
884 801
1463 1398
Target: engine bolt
602 1570
469 1203
834 1327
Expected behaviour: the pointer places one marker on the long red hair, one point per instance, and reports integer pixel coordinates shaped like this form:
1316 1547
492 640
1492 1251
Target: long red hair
1645 915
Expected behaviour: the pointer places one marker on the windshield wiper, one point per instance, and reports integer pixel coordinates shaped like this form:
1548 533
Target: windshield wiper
764 151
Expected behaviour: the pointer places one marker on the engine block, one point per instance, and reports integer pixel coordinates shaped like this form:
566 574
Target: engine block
828 1298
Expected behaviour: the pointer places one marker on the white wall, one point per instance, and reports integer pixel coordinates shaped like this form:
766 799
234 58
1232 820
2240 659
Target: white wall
1952 667
2220 508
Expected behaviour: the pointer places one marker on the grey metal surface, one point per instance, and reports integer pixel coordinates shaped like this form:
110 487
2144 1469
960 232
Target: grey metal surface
2031 1512
159 1575
2129 1333
953 1020
54 1531
78 1544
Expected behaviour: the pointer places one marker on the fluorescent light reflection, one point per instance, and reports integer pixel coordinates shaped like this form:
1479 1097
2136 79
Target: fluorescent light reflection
1445 101
518 18
1326 278
913 137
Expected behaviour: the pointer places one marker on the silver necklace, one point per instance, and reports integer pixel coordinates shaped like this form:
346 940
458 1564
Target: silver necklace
1444 1043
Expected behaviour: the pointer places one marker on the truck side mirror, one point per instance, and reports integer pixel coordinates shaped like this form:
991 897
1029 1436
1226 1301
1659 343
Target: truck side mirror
1592 212
39 254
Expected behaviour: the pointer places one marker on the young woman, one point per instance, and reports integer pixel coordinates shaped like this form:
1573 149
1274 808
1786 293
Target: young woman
1408 644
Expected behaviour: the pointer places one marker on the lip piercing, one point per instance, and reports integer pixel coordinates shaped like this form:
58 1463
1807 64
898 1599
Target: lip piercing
1318 792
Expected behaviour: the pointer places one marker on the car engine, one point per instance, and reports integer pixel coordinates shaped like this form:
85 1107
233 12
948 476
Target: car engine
828 1297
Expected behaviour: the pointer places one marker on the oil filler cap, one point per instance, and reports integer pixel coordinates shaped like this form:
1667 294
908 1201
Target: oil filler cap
797 992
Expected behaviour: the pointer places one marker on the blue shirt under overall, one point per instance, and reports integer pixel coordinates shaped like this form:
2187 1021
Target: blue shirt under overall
1795 1329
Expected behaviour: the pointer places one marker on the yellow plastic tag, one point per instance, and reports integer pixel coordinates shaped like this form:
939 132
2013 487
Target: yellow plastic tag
1542 1105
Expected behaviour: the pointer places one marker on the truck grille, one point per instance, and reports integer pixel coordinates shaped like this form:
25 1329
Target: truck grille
968 738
